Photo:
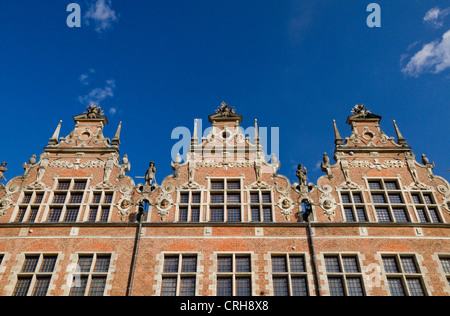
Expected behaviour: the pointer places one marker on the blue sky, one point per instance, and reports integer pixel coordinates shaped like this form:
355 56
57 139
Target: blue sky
158 65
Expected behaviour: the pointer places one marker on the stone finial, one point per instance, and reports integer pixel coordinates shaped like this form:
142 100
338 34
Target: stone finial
54 140
338 139
400 139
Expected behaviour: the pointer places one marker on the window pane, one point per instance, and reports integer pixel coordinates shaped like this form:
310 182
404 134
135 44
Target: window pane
357 198
41 286
30 264
390 265
217 198
27 198
361 214
33 214
71 215
400 215
169 287
416 199
346 198
85 263
108 198
354 287
224 287
350 265
446 265
434 215
408 265
183 214
375 185
297 264
254 198
93 215
76 198
415 287
266 198
39 198
378 198
255 214
349 214
234 215
23 284
97 198
195 215
280 286
79 286
98 286
427 198
217 215
422 215
267 212
189 264
234 198
21 214
243 264
59 198
184 198
243 287
102 264
79 185
332 264
196 198
55 214
336 287
217 185
391 185
225 264
395 199
171 265
105 214
383 215
233 185
64 185
279 264
396 287
299 286
48 265
187 286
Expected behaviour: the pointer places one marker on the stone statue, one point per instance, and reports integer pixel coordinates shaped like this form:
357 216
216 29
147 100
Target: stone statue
108 168
430 166
410 160
301 175
43 164
275 165
124 167
326 167
28 166
3 169
150 174
225 109
176 166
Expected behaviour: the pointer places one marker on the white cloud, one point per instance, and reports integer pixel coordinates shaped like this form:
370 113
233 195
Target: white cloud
434 57
97 95
112 110
436 16
102 15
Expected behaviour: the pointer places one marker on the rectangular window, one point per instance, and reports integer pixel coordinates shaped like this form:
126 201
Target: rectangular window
352 211
234 275
37 270
91 275
289 275
403 275
189 207
427 210
179 275
344 275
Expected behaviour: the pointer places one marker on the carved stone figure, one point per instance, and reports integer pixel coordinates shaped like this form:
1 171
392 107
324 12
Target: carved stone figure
345 170
225 109
326 167
191 171
124 167
412 167
3 169
301 175
28 166
258 168
150 174
430 166
275 165
108 169
43 164
176 166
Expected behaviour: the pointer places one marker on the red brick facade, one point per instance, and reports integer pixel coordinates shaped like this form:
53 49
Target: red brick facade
225 223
